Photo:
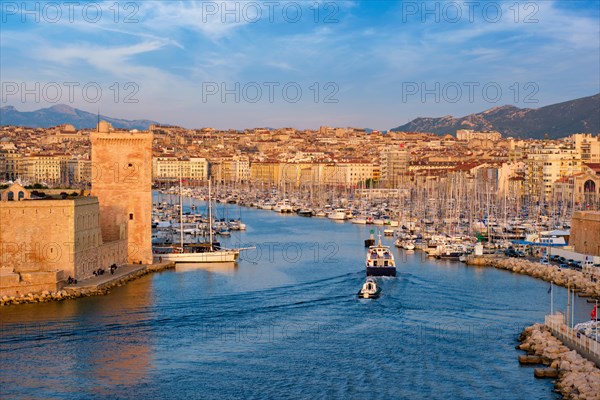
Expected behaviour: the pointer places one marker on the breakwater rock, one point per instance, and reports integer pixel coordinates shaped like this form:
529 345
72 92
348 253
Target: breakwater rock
84 291
577 377
550 273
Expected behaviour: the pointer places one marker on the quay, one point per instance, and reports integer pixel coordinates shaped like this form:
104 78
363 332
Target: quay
126 272
97 285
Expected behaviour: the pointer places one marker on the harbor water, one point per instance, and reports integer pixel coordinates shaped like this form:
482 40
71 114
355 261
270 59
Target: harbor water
285 322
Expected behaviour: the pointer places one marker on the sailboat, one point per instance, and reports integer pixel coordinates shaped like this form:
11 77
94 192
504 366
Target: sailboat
197 252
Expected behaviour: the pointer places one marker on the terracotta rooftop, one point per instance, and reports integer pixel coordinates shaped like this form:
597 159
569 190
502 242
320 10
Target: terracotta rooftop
594 166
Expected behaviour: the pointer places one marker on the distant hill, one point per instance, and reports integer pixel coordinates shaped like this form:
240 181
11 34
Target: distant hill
556 120
63 114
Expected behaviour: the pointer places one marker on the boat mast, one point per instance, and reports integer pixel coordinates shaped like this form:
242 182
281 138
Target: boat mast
210 232
180 208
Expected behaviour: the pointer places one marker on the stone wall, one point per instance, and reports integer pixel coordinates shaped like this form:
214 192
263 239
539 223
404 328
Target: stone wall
122 181
38 235
43 242
13 284
112 253
585 232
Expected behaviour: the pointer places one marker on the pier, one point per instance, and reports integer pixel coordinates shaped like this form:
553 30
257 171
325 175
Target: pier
97 285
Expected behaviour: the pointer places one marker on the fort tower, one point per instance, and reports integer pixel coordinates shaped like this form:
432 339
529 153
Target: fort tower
122 181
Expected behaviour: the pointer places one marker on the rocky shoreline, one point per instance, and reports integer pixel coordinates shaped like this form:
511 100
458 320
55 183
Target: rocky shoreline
549 273
73 293
577 377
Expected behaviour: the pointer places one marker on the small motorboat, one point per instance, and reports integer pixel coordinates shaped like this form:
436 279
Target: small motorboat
305 212
370 290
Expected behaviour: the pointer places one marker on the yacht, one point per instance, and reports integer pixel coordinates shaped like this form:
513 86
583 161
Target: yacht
197 252
362 220
337 214
380 260
369 290
265 205
450 252
305 212
548 238
283 206
405 244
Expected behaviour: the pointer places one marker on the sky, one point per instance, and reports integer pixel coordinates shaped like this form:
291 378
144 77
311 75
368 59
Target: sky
302 64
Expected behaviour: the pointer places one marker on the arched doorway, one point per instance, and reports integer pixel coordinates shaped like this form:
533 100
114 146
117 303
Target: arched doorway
589 194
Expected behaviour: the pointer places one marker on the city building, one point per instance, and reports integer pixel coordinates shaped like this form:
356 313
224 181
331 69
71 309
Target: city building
394 163
546 165
588 146
172 168
469 134
581 190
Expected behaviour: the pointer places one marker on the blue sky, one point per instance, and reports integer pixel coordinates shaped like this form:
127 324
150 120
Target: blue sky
376 64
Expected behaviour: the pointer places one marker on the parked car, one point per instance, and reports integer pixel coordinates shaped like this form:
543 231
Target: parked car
511 253
563 266
544 261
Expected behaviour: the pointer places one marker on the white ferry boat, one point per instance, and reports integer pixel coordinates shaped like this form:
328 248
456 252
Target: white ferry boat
380 260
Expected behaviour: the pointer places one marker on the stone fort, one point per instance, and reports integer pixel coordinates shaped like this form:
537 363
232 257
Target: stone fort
45 239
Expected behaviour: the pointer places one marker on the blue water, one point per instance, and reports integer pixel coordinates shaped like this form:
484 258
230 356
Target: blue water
285 323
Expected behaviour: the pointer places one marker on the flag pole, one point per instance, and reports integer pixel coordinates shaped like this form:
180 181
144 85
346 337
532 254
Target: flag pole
568 304
573 311
551 299
596 325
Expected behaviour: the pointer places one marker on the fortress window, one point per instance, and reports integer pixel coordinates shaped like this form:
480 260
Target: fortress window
130 216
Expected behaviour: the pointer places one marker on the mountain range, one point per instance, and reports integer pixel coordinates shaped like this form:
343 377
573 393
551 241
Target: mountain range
63 114
553 121
557 120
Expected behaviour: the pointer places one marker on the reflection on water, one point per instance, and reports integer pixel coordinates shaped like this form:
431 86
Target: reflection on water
104 341
284 323
226 268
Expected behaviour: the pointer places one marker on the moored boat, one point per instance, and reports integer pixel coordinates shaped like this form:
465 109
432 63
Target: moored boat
198 252
338 214
283 207
305 212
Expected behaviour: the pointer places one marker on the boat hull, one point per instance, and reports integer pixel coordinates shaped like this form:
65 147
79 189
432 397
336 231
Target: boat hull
375 295
381 271
207 257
